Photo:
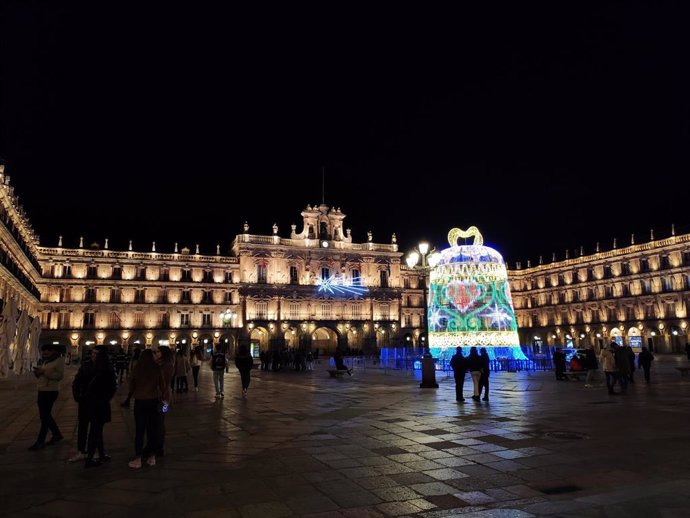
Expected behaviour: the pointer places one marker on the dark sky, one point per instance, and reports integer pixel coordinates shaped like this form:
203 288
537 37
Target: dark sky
547 128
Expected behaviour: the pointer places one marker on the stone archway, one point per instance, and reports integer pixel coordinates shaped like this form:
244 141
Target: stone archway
291 336
325 339
258 340
355 338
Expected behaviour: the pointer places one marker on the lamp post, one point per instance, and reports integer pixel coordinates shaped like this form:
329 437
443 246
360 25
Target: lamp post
429 260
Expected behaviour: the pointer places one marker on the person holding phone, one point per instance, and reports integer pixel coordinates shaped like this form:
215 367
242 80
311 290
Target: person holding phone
49 372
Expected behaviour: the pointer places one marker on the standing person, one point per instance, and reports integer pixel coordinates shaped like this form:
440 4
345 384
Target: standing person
591 365
244 363
644 361
474 365
559 363
623 367
195 362
147 386
218 364
310 360
96 400
166 360
80 384
608 363
120 364
631 361
181 368
459 365
49 373
486 370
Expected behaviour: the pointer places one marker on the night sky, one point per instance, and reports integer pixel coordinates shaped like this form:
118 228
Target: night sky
547 128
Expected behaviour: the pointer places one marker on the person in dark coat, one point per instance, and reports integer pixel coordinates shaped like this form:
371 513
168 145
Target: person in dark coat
474 365
591 365
559 363
339 362
96 401
644 361
80 385
459 365
244 363
623 366
631 361
486 370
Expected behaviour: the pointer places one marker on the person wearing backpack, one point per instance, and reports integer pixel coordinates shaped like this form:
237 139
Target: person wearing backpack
218 364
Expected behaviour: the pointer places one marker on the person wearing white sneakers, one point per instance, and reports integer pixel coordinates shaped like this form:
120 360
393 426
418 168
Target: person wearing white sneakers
218 365
147 385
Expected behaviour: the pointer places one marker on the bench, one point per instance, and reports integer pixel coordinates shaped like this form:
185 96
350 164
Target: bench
684 371
336 373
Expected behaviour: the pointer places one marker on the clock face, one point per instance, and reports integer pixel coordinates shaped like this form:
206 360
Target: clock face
324 244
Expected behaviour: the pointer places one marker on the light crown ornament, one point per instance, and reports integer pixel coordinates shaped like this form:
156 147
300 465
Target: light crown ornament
469 300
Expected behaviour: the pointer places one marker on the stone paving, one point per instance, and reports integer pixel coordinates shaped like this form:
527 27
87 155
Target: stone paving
304 444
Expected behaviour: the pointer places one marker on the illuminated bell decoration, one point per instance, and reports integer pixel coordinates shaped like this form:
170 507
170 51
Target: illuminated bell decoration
469 300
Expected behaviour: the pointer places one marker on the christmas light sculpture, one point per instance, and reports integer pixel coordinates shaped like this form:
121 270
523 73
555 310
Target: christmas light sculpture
469 300
335 286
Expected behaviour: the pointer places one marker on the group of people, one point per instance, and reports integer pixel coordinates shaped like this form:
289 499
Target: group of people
618 363
152 378
479 366
298 359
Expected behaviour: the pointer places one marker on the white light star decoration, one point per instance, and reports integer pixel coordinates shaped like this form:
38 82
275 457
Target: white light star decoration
499 317
335 287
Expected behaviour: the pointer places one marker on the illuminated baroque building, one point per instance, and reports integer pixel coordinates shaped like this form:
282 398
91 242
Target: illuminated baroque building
639 295
318 288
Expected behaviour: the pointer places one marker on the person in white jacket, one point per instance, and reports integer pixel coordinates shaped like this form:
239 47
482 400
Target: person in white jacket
608 364
49 373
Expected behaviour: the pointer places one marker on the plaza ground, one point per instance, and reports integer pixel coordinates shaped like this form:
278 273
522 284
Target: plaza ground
374 444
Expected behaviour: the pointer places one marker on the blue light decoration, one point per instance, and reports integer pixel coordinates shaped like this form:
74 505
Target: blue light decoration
334 286
470 302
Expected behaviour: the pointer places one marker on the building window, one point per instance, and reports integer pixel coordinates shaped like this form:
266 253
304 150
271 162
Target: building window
115 295
141 273
408 321
607 271
325 273
113 320
117 273
187 275
261 310
207 299
626 268
65 295
139 319
293 311
686 258
165 320
326 311
406 282
644 265
89 320
293 275
228 277
208 276
139 297
206 320
665 262
165 275
383 274
186 297
91 272
385 312
356 312
228 296
356 278
261 273
67 271
90 295
184 320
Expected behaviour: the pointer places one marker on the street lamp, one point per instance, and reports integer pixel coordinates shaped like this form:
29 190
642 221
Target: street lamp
429 260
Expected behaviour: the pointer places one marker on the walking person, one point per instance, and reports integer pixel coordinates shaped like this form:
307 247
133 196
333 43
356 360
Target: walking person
121 362
96 401
459 365
474 365
181 369
147 386
218 364
310 360
49 373
195 362
338 359
244 363
623 367
486 370
631 361
644 361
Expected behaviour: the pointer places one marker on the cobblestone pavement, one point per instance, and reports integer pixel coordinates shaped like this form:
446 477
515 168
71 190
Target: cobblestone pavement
374 444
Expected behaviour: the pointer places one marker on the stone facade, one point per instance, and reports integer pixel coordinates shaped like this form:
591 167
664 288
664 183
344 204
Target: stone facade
639 290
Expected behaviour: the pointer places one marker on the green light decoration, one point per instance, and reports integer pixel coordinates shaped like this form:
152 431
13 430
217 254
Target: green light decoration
469 302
